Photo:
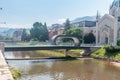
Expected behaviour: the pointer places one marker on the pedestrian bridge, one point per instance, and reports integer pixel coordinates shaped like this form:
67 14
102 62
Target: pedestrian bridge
31 48
56 40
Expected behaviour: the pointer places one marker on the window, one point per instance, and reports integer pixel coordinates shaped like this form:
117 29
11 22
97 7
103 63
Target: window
119 19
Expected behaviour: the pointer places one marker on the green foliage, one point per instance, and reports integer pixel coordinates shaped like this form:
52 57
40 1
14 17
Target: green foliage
8 38
15 73
1 37
59 53
75 32
49 53
89 38
39 32
111 49
67 24
103 53
99 53
118 42
25 36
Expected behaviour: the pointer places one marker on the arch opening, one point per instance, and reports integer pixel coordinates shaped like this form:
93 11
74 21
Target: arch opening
59 39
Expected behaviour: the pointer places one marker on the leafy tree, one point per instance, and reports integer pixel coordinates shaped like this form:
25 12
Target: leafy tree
75 32
25 36
118 42
39 32
45 32
8 38
1 37
89 38
67 24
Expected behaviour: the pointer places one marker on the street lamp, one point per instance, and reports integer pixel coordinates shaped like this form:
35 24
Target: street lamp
2 22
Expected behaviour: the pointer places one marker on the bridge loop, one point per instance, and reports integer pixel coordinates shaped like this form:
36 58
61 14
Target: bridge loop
76 41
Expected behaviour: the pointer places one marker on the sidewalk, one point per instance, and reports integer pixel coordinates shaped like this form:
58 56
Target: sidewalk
5 73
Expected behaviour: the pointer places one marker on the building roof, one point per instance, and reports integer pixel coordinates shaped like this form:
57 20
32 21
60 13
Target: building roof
115 3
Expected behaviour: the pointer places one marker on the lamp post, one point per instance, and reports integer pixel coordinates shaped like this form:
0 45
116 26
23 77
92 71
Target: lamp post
2 22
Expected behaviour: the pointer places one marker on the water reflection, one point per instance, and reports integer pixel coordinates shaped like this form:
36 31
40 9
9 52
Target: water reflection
83 69
68 70
23 54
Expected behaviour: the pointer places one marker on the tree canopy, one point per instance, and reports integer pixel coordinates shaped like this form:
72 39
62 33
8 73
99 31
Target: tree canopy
75 32
25 36
118 42
89 38
67 24
39 32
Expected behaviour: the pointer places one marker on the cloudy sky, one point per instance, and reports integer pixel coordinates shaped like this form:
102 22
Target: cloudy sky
23 13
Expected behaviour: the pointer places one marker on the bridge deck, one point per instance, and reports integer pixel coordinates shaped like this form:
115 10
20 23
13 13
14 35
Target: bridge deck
39 48
31 48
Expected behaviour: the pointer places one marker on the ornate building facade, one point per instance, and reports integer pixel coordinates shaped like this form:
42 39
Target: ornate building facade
108 26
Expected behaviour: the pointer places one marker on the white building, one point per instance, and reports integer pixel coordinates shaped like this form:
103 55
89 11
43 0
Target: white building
108 26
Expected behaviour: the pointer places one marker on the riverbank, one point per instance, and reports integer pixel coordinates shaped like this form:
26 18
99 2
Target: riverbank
59 53
15 72
102 54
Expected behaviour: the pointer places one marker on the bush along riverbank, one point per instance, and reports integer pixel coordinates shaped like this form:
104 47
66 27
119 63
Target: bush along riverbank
15 72
107 53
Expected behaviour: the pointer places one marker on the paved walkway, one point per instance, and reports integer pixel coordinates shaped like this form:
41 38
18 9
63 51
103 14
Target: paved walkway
5 73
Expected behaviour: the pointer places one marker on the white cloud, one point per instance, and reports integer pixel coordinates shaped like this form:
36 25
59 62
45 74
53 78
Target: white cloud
61 20
16 25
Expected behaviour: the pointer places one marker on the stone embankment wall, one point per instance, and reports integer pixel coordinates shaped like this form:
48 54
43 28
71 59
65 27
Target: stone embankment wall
2 47
5 73
87 51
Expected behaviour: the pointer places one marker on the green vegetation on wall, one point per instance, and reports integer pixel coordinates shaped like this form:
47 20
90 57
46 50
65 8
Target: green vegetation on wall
107 52
15 73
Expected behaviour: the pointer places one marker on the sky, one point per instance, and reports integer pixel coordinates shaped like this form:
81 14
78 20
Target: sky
23 13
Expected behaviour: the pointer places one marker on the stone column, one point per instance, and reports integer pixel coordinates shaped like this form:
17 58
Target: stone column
115 33
66 53
96 33
2 47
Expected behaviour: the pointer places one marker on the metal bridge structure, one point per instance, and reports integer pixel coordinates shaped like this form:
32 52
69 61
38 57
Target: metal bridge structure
56 39
53 46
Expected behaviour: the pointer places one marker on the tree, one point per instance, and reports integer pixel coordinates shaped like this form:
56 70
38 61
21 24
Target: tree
24 36
45 31
67 24
118 42
39 32
75 32
89 38
1 37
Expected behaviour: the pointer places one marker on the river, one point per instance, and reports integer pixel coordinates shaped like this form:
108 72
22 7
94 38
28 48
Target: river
58 69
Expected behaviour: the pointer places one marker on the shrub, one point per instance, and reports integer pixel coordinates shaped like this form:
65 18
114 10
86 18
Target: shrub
118 42
111 49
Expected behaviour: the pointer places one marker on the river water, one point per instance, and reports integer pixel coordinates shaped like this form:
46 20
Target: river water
56 69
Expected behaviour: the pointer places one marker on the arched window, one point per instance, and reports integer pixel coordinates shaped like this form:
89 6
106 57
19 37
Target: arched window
119 19
119 33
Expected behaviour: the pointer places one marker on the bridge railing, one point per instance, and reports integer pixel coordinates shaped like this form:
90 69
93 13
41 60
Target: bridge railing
26 44
91 45
35 43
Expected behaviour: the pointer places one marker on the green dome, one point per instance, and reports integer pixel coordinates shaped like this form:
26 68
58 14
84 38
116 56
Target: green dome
116 3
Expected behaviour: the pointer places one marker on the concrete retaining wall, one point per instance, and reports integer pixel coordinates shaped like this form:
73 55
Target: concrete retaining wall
5 73
2 47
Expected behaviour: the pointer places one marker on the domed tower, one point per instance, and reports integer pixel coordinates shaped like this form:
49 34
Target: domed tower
115 12
115 8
